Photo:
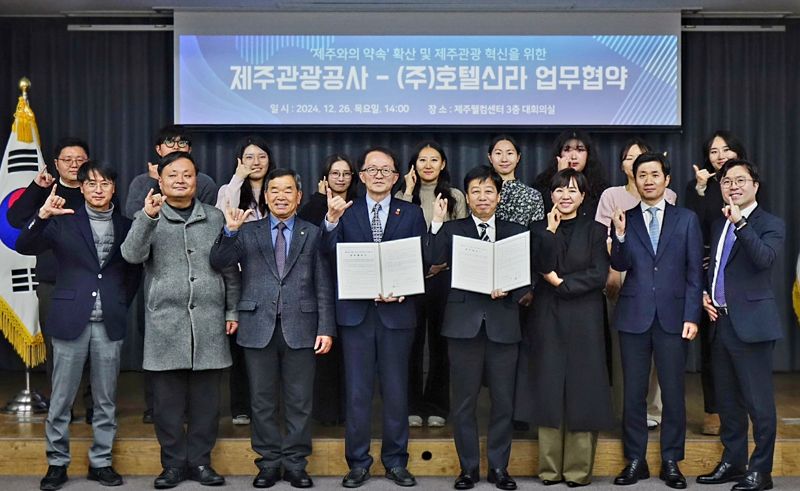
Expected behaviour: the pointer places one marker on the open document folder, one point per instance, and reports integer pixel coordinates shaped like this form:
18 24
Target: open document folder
481 267
366 269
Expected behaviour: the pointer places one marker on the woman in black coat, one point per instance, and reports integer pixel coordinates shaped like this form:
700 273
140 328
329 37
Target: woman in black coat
568 375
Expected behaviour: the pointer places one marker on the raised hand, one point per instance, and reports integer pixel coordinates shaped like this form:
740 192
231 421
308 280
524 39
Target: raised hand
54 206
234 218
43 179
153 203
618 217
553 219
152 170
563 162
336 207
439 209
411 181
702 176
242 170
732 211
322 186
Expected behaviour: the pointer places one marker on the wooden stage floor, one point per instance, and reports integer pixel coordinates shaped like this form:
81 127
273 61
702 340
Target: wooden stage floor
432 452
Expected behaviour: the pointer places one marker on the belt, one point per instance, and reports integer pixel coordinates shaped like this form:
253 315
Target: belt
722 311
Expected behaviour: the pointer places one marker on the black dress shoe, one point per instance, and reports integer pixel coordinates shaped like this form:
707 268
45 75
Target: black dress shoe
169 478
298 478
267 477
573 484
355 478
635 470
206 475
466 480
754 481
55 478
401 476
722 473
501 479
147 417
106 476
548 482
671 475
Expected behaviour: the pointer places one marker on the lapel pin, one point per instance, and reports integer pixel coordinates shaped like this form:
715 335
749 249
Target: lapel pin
397 212
302 232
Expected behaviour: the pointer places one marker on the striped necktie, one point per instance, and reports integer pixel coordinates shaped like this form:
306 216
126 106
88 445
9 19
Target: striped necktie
484 235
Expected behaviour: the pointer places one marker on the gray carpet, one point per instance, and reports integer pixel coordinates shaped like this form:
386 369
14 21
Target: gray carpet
240 483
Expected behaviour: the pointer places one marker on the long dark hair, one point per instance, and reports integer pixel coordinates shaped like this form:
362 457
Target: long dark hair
443 185
593 170
644 147
246 198
733 143
327 164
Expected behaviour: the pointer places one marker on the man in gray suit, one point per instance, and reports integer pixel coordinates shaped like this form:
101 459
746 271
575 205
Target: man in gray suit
286 317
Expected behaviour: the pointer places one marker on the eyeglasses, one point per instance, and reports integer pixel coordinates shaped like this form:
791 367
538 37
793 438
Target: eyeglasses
176 143
372 172
250 158
76 160
739 181
104 185
344 175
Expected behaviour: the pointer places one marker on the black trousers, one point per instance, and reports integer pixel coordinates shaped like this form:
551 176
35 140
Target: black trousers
707 366
329 387
239 382
195 394
430 397
279 372
743 376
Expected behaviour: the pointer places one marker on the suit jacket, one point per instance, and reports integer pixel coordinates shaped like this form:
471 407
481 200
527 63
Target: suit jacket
466 311
80 273
405 220
305 290
668 284
748 275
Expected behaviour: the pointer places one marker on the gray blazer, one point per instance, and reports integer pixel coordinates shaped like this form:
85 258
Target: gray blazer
305 291
186 301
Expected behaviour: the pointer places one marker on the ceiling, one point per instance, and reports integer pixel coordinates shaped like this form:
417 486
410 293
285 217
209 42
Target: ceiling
138 8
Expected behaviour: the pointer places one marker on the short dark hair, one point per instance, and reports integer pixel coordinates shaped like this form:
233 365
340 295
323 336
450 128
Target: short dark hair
730 139
70 141
498 138
105 171
749 167
652 157
170 133
380 149
276 173
563 177
483 173
172 157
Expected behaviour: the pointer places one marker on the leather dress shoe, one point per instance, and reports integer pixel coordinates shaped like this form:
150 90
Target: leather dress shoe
466 480
671 475
298 478
106 476
401 476
722 473
169 478
355 478
267 477
147 417
754 481
551 482
206 475
501 479
55 478
573 484
635 470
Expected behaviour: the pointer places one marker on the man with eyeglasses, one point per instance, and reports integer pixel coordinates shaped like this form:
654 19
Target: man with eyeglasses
740 301
169 139
71 153
376 335
87 315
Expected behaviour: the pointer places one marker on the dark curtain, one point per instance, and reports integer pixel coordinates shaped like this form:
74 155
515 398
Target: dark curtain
115 89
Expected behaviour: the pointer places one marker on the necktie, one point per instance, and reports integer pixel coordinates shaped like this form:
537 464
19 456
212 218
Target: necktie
280 248
377 232
652 229
484 235
719 287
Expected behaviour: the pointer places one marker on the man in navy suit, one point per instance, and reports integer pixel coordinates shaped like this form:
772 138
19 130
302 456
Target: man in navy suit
376 336
88 312
660 246
741 303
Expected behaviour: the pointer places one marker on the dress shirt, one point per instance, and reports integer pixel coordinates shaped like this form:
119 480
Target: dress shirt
661 205
746 214
491 231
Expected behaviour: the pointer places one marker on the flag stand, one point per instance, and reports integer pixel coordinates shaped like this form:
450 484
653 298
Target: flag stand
27 402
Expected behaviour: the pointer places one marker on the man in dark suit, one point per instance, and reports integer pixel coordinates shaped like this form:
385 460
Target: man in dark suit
741 304
660 246
482 332
376 336
88 314
285 317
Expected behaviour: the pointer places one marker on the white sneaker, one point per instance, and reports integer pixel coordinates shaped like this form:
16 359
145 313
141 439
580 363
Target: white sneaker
241 420
436 421
652 424
414 421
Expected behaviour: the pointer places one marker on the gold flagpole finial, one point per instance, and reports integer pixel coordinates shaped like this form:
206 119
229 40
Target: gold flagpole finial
24 85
